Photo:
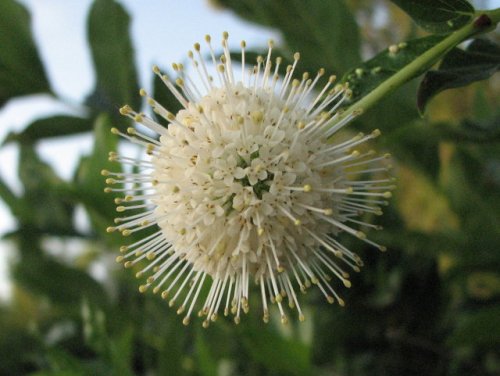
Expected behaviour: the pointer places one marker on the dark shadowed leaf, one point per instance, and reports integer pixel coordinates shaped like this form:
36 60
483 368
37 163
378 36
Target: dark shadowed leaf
165 97
21 71
438 16
375 71
324 32
478 329
108 34
459 68
56 126
48 196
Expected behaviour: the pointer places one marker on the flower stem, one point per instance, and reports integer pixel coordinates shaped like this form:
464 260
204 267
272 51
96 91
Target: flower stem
484 21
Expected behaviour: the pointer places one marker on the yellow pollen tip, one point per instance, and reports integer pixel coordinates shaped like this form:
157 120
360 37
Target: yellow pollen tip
347 283
301 125
126 232
260 231
110 229
104 172
156 69
138 118
115 130
382 248
393 49
355 153
296 56
131 130
143 93
143 288
330 299
120 209
108 190
284 319
376 133
328 211
387 194
243 44
360 235
341 302
128 264
110 181
123 249
307 188
119 259
125 110
164 294
297 222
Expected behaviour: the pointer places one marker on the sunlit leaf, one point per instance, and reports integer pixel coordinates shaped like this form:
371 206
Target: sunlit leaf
21 71
438 16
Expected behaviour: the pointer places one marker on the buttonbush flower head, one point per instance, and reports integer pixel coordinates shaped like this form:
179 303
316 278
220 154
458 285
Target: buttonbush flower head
247 189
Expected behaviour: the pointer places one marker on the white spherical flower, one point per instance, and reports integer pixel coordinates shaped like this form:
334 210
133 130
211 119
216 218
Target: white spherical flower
250 183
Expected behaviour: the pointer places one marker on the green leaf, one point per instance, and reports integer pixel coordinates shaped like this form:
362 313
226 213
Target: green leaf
47 195
277 353
89 180
481 328
108 34
21 71
62 284
373 72
438 16
324 32
56 126
459 68
165 97
206 362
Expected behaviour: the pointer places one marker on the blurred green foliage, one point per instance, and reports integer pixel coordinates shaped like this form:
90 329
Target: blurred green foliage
428 306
